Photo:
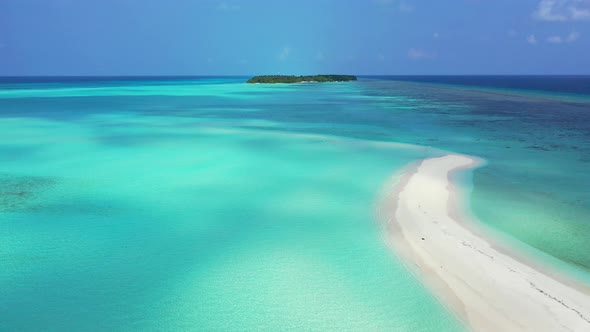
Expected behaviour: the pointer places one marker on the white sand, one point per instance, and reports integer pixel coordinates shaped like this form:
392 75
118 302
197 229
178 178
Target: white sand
489 288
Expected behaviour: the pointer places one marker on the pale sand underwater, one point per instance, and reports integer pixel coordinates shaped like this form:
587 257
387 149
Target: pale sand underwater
483 283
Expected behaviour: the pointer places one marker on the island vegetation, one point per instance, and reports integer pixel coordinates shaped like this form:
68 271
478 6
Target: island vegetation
270 79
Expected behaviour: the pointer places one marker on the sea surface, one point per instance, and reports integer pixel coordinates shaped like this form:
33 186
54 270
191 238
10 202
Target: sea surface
204 203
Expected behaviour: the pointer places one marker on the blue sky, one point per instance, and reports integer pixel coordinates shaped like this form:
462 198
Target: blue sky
244 37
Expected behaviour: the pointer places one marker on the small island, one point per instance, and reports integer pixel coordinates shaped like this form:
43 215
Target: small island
271 79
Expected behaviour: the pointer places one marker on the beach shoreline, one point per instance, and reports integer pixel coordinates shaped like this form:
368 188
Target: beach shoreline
487 286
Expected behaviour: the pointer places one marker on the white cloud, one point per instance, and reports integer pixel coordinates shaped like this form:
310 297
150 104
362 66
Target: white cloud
562 10
226 7
417 54
285 53
531 39
547 11
579 14
556 39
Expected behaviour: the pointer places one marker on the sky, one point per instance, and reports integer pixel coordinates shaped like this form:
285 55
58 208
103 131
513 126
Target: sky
248 37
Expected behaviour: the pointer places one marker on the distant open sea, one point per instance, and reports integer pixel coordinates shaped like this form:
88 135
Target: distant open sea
204 203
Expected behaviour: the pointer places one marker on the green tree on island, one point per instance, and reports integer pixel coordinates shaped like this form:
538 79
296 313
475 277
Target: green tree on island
269 79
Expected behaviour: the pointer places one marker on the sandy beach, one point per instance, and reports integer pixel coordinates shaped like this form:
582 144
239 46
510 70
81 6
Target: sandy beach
489 287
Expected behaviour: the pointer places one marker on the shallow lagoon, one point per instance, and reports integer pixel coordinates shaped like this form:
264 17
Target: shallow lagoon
209 203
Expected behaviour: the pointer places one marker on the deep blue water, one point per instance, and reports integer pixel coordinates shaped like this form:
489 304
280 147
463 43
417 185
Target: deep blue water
567 84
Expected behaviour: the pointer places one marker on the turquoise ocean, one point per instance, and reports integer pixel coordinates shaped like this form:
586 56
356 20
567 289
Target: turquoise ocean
174 204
